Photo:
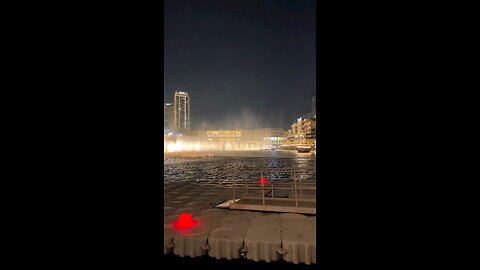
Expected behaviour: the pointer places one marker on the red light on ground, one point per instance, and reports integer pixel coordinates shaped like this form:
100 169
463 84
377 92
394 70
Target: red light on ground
263 180
185 221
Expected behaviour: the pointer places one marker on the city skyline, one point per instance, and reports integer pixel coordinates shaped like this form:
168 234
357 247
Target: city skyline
241 121
247 62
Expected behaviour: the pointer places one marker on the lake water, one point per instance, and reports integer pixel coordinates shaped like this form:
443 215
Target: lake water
225 165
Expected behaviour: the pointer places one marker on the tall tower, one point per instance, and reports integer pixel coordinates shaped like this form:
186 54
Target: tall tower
182 110
169 117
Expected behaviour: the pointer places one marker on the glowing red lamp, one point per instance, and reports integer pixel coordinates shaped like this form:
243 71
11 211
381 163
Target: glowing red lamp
263 181
185 221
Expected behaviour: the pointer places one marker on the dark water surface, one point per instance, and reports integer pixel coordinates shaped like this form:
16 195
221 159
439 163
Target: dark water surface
226 165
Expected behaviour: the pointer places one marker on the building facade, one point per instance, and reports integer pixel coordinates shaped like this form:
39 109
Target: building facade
169 117
243 139
303 132
181 110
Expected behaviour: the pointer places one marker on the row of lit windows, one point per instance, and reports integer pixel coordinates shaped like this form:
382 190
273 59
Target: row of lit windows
224 133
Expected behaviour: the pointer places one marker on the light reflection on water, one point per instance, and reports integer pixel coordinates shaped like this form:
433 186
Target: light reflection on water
222 166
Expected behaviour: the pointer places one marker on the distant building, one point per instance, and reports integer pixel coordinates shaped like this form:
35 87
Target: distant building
242 139
270 137
169 117
303 132
181 110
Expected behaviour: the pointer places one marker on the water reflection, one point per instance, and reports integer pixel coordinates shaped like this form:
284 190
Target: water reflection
212 169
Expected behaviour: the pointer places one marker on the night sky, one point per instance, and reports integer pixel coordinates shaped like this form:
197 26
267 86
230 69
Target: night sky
245 63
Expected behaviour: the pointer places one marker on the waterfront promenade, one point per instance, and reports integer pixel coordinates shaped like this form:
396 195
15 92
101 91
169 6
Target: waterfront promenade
231 234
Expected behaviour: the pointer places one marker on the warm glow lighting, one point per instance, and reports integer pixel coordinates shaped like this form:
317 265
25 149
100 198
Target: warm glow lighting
185 221
263 180
174 143
174 146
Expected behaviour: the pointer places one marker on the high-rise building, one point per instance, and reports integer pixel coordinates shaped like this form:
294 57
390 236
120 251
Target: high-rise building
169 117
182 110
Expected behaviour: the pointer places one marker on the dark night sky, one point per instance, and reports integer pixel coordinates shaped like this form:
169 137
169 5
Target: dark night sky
249 62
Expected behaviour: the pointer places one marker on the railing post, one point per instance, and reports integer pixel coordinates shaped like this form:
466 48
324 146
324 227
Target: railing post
246 187
295 183
263 192
300 182
233 188
272 189
293 178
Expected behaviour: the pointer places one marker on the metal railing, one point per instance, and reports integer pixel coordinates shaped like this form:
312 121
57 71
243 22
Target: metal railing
296 181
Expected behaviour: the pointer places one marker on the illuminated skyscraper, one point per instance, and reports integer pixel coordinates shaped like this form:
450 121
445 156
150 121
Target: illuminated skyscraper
169 117
182 110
